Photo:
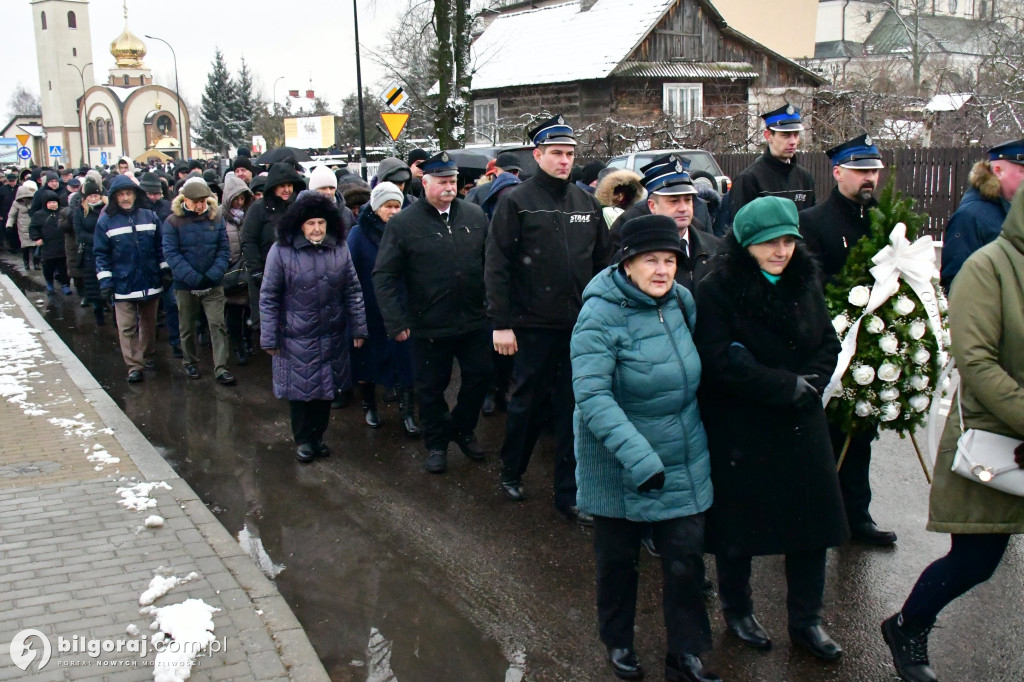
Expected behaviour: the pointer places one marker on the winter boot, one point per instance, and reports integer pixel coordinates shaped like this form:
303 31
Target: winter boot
407 406
369 405
49 288
909 647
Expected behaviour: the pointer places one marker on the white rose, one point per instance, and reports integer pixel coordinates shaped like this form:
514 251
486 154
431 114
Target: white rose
921 356
945 338
889 344
895 288
919 382
888 372
864 375
943 358
874 324
889 394
917 329
943 303
890 411
903 306
862 408
919 403
840 323
859 296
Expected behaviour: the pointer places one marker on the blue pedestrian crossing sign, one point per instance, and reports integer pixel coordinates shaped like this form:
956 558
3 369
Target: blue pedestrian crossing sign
24 153
103 158
55 150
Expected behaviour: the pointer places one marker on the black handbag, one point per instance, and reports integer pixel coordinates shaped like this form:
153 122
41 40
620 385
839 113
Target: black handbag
235 281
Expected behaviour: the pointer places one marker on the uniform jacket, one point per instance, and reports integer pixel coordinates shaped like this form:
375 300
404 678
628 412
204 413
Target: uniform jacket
976 222
18 217
440 269
547 241
831 229
776 488
635 376
127 247
986 323
45 225
311 306
196 246
768 176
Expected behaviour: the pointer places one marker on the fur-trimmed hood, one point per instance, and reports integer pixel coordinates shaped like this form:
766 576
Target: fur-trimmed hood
311 205
605 191
212 213
985 181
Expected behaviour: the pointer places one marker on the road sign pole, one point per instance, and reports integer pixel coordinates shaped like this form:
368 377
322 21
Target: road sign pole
359 93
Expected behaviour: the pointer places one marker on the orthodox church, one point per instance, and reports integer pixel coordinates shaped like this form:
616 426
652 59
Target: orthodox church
98 123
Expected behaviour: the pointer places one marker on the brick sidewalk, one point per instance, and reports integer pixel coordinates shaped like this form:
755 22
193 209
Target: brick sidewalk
74 561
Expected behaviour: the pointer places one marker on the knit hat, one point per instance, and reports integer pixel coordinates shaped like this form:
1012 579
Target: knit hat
195 189
385 192
417 155
765 219
590 172
356 192
243 162
150 183
393 169
51 175
322 177
244 151
650 233
90 186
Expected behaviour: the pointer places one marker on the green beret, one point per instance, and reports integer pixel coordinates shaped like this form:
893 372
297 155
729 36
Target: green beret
765 219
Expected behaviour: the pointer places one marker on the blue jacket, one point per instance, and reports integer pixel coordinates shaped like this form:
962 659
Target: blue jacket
196 246
127 248
635 373
977 221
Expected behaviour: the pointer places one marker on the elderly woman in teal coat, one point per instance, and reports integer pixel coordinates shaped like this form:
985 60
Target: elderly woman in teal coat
642 456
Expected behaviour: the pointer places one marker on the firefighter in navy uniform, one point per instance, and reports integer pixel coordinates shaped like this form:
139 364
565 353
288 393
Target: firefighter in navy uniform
546 242
776 172
830 230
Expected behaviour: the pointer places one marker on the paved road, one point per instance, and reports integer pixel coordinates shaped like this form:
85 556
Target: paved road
463 583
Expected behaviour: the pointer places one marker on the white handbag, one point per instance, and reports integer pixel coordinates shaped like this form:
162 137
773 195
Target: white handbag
988 458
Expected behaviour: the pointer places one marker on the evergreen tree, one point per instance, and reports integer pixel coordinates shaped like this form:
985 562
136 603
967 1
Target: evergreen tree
217 127
245 103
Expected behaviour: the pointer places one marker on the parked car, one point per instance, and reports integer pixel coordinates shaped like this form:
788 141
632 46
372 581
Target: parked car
523 154
702 164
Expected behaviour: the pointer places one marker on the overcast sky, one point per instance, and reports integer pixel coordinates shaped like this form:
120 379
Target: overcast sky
297 39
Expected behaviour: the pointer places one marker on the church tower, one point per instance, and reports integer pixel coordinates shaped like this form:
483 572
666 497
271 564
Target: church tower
64 55
128 51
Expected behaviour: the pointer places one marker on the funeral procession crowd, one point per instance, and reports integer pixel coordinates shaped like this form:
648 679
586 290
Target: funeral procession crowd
676 344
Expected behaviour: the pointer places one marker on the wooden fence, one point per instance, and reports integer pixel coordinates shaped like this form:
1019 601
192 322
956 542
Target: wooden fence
935 178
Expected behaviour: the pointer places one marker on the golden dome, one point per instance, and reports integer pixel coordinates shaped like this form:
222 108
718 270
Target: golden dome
128 50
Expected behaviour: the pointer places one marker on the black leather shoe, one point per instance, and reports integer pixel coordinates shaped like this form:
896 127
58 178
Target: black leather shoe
513 490
437 461
687 668
870 534
576 514
305 453
149 364
625 664
817 641
191 371
226 379
909 647
391 395
341 400
488 407
749 632
321 450
470 448
241 357
135 376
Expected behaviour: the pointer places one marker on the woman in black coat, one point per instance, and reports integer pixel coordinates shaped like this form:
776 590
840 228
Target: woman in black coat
84 218
768 349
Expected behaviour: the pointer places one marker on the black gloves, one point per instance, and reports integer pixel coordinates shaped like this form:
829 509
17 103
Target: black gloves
805 394
256 277
1018 455
655 482
166 278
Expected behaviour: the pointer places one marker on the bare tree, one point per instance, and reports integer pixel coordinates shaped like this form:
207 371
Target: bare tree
24 102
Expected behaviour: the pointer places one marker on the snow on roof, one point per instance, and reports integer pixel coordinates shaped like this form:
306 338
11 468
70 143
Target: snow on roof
121 92
561 43
33 130
951 102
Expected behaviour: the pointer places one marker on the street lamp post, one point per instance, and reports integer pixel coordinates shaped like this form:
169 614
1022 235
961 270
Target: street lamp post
177 95
83 135
359 96
275 93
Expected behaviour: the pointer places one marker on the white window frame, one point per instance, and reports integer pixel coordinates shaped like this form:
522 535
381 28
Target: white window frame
480 129
677 96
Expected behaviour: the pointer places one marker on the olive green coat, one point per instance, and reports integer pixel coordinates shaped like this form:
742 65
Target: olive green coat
986 320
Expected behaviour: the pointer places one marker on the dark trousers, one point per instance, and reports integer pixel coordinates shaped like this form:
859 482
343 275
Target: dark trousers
28 254
56 269
972 560
617 550
433 360
170 304
805 583
309 420
542 371
238 333
854 477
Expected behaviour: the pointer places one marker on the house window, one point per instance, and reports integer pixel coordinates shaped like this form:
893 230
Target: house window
110 133
92 131
126 81
485 120
42 15
72 20
683 101
101 133
74 52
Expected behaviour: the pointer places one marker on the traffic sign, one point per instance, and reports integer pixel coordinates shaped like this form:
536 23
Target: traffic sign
24 153
395 123
22 140
55 150
394 96
103 158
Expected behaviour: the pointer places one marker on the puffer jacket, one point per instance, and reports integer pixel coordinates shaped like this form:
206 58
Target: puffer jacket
635 373
19 216
196 245
311 305
259 231
127 247
976 221
45 225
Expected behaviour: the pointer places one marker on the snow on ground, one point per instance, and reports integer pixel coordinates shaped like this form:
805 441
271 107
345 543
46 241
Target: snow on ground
253 546
137 497
20 352
190 625
161 585
517 670
378 659
154 521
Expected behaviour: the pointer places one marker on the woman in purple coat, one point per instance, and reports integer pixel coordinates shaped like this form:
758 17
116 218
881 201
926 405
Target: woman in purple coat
310 305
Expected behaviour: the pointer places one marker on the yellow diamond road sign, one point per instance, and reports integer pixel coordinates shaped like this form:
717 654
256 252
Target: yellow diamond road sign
394 96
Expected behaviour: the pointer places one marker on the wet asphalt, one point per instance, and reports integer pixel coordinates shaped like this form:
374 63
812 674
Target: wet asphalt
461 581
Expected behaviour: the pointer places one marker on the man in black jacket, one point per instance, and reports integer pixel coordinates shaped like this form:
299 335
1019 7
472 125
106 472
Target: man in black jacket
830 230
7 194
776 172
429 279
547 241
